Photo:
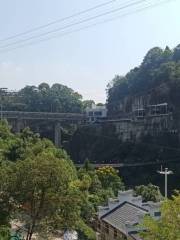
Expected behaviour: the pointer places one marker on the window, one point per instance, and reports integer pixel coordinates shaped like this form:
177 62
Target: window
98 113
90 113
140 113
157 214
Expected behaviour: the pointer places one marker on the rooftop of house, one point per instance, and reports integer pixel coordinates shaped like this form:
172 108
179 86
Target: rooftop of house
124 214
127 211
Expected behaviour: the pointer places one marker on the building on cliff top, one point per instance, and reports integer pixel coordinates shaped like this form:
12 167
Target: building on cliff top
95 113
121 218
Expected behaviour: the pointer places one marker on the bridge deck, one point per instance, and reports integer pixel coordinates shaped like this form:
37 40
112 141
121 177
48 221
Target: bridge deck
42 115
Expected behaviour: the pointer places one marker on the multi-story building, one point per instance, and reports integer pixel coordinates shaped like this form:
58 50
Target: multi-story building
96 112
122 217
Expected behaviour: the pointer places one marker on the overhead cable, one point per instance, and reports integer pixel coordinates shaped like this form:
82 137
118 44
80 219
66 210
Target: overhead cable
86 27
58 21
74 24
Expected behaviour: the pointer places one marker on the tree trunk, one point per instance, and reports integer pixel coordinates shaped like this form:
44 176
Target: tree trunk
31 228
28 232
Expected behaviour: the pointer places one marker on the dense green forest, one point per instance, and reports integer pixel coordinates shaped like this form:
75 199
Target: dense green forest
159 68
57 98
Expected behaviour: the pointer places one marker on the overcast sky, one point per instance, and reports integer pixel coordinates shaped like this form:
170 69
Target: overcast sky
85 61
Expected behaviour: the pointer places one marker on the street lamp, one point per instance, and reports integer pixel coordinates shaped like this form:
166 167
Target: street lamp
165 173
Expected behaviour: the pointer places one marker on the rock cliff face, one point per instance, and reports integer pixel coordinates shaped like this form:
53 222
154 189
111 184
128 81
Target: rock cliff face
131 103
150 113
147 99
144 118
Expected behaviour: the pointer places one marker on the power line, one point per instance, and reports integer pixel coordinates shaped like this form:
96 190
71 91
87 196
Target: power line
74 24
58 21
86 27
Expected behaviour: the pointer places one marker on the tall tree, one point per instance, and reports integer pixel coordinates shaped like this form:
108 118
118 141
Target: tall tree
168 227
41 192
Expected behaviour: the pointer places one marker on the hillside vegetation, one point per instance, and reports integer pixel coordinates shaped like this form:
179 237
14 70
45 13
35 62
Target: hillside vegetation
158 75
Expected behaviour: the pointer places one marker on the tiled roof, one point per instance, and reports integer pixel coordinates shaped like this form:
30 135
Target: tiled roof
123 214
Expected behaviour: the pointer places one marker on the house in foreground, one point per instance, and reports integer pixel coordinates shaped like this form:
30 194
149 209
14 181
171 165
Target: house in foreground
121 218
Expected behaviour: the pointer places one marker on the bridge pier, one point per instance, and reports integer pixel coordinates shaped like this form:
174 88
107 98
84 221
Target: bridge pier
19 125
57 135
19 120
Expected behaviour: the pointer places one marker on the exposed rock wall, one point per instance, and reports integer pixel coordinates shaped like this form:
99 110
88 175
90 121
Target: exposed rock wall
134 129
152 112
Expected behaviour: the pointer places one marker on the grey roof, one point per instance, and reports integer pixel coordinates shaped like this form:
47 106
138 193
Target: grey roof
123 214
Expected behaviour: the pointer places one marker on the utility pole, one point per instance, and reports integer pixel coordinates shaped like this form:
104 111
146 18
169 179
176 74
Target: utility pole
165 173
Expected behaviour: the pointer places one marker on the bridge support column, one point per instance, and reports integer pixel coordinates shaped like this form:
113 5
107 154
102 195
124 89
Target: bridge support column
57 135
19 125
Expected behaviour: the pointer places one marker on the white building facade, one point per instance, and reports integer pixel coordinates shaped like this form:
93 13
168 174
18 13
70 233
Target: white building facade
96 112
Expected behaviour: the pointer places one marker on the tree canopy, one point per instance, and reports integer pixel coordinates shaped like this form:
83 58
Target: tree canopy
36 184
168 227
97 186
149 192
44 98
40 186
159 66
